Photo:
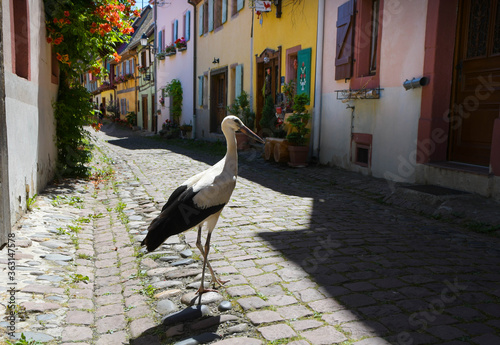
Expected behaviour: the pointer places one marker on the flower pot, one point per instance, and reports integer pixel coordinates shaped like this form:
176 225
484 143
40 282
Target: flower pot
243 142
298 156
181 49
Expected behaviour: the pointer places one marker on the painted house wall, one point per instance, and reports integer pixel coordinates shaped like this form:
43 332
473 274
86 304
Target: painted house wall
127 90
297 26
178 66
392 120
29 115
146 88
230 43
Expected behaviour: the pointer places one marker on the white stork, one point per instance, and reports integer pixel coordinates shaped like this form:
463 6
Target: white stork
201 199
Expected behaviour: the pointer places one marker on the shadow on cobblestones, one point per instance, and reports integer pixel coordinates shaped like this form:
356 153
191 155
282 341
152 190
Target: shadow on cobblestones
408 280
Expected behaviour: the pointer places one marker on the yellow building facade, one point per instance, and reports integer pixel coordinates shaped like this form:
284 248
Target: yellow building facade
284 50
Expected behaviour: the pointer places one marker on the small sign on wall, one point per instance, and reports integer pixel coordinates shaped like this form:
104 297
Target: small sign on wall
263 6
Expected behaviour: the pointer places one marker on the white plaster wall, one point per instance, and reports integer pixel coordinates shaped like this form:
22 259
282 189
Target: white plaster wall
178 66
393 119
30 122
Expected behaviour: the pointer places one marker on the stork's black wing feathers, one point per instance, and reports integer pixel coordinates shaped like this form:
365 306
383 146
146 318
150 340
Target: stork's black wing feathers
175 194
179 214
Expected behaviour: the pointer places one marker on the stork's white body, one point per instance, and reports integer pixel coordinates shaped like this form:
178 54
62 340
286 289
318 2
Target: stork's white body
200 199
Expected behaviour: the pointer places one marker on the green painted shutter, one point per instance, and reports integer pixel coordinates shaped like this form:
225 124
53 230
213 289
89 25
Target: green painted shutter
188 26
210 15
304 71
239 81
200 91
240 5
200 21
224 11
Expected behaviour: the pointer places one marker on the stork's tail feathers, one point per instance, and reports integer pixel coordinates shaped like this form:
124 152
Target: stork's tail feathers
157 234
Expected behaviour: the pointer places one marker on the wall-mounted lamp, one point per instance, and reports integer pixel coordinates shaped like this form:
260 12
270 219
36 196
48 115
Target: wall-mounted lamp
266 59
215 61
145 44
415 83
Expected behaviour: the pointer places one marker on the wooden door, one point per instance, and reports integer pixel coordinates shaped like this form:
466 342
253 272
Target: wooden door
145 112
153 115
476 87
218 101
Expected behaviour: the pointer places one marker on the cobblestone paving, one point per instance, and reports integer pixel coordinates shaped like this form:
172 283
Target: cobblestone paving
313 256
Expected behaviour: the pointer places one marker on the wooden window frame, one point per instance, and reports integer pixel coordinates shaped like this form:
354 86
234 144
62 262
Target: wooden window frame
362 77
205 17
21 50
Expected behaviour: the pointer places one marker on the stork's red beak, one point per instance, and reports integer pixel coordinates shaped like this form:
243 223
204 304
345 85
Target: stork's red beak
248 132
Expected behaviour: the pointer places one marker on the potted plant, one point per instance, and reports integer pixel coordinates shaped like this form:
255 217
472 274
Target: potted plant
180 44
174 90
170 130
289 92
186 130
241 108
297 138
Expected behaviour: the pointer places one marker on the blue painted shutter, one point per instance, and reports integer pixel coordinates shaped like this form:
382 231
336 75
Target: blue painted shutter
200 91
210 15
224 11
187 30
176 25
200 21
239 81
240 5
160 48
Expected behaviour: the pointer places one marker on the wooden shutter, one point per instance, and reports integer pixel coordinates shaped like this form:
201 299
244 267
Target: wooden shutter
176 26
200 21
187 29
224 11
210 15
160 48
238 87
345 41
240 5
200 91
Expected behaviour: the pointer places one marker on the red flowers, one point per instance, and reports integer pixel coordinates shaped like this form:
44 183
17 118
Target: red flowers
66 13
117 57
49 39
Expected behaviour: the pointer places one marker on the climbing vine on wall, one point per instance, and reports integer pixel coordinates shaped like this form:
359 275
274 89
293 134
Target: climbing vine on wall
83 33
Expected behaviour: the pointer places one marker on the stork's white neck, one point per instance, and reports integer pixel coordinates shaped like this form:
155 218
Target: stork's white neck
231 158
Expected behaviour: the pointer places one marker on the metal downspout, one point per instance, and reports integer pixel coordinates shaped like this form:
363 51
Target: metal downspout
251 63
194 35
155 107
318 80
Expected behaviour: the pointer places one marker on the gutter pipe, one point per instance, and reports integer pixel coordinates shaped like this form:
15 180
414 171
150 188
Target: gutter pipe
318 80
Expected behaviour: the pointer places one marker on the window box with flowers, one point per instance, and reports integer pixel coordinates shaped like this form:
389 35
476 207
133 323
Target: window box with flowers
161 55
170 50
170 130
142 69
181 44
120 79
129 76
162 101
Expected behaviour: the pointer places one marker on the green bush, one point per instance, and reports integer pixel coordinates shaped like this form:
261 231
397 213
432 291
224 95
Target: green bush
72 111
241 108
299 121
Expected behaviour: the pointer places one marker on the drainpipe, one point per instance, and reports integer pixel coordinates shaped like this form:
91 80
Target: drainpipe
318 80
155 106
194 34
251 62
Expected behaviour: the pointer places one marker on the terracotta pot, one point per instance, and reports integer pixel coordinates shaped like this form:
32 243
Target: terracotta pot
298 156
243 142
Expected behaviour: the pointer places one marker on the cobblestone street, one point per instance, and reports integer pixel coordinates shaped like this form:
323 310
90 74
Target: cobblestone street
313 256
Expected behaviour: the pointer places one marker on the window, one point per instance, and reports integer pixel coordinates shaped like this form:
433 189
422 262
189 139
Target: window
217 13
143 59
200 91
205 17
361 146
21 56
175 35
357 54
236 6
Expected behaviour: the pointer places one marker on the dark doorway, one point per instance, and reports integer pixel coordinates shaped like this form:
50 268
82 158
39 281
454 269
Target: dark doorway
218 99
145 112
268 79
